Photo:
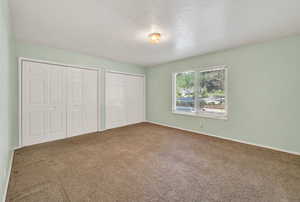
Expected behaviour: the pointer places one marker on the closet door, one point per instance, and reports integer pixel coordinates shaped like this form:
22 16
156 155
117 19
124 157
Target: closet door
82 101
124 95
90 100
134 87
115 106
43 103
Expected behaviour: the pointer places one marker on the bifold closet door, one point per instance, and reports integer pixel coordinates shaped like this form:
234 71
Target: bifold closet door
57 102
134 98
124 99
115 114
43 103
82 101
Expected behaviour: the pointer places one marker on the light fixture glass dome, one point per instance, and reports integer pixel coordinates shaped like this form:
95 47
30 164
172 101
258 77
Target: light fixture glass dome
154 37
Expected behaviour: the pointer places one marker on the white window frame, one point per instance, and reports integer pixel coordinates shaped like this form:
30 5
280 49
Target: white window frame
198 113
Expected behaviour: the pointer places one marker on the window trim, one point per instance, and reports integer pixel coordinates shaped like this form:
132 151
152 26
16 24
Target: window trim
213 115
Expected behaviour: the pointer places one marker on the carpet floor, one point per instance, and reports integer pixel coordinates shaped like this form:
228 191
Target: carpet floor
147 162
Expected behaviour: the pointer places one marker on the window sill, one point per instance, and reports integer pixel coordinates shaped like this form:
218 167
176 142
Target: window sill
204 115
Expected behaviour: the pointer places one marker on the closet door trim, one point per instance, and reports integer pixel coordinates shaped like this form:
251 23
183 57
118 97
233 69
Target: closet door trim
20 73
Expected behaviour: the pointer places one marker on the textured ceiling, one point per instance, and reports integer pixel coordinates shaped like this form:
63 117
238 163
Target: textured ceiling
118 29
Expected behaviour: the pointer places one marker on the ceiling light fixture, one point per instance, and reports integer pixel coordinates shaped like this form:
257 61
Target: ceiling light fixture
154 37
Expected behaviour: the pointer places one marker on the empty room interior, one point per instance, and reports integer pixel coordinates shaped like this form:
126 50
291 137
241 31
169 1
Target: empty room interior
149 101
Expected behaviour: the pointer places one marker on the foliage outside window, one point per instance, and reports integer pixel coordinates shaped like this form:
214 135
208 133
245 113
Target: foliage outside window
201 93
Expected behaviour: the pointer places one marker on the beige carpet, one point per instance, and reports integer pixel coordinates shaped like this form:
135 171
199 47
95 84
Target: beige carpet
147 162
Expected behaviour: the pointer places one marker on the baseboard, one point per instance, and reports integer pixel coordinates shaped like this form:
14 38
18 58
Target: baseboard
8 175
105 129
17 147
226 138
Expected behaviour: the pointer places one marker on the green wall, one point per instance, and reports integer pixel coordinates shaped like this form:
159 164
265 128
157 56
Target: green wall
263 83
40 52
68 57
8 95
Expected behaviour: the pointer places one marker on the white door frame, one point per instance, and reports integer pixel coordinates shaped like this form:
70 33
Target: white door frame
20 63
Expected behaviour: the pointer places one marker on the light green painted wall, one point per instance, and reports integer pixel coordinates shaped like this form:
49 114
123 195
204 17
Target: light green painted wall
40 52
263 94
8 95
68 57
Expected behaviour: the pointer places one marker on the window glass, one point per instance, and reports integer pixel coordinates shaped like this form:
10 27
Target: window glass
211 91
185 92
201 93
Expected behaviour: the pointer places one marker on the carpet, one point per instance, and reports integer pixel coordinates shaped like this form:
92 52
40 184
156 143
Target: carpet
148 162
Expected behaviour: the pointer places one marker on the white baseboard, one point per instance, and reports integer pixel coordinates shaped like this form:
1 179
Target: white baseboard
131 124
17 147
8 175
226 138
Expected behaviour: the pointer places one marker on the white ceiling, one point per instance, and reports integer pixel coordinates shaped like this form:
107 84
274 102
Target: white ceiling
118 29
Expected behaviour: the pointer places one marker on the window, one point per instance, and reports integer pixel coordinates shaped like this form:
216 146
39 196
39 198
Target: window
201 93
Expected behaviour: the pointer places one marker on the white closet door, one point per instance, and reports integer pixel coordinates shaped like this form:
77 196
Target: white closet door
134 87
141 98
43 103
75 102
90 100
83 101
124 95
115 109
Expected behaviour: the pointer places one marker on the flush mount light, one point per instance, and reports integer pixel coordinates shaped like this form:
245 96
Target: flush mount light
154 38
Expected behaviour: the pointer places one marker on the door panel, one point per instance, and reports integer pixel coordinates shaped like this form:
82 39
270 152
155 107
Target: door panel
124 96
75 104
43 103
132 99
57 102
83 101
115 100
141 99
36 123
137 84
57 123
36 90
90 101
